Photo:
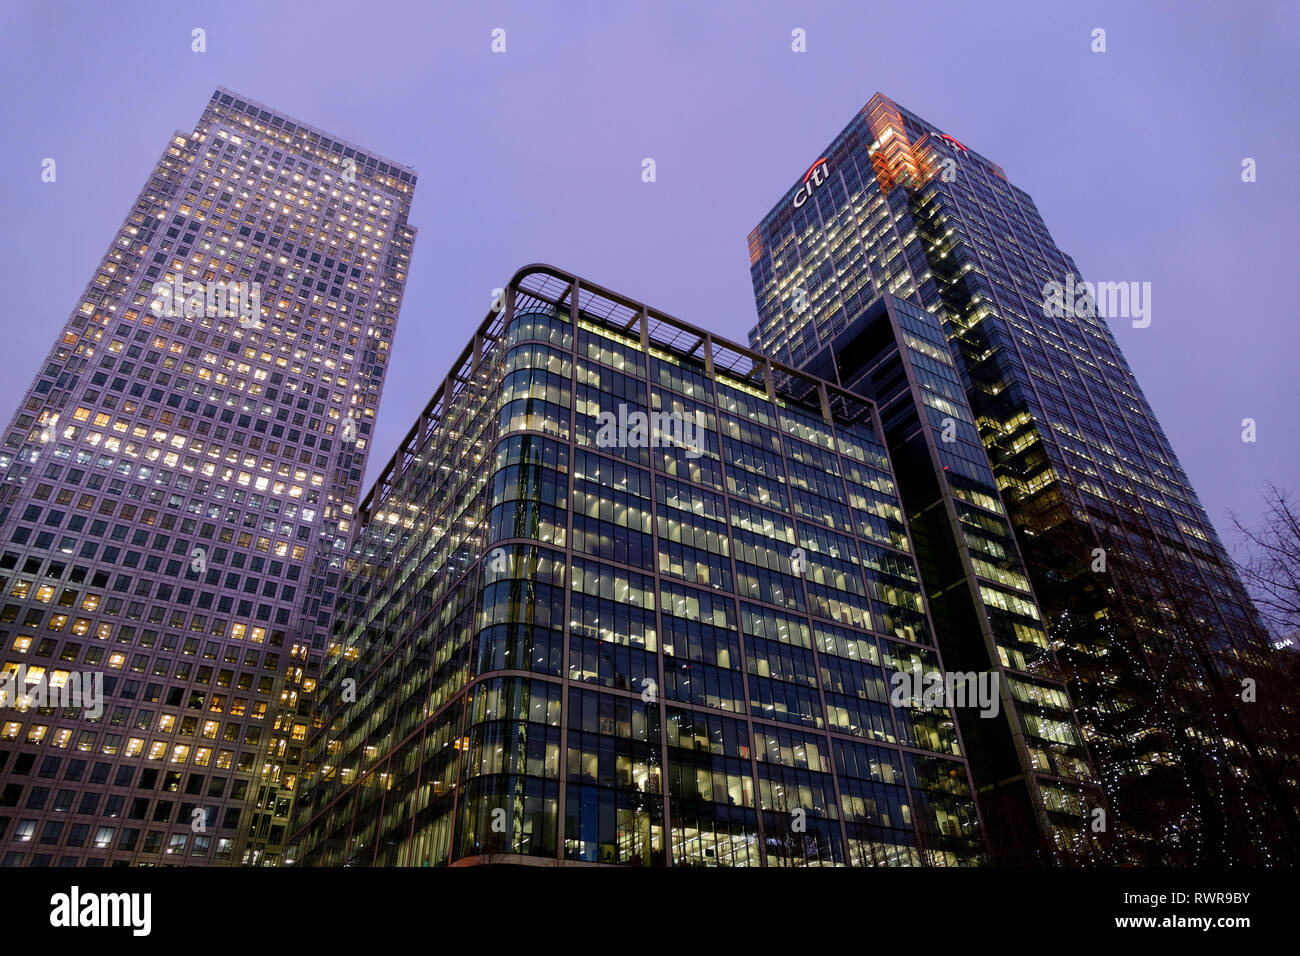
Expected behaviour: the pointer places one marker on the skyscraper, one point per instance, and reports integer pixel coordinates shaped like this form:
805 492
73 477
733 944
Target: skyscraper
176 489
620 598
1031 769
1146 616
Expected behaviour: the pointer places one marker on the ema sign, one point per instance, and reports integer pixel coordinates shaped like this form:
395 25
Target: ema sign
817 174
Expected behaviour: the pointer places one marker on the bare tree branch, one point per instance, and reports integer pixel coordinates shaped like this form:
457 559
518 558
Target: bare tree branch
1270 566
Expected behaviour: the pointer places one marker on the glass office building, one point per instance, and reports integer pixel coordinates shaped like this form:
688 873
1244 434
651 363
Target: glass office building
620 599
1144 611
175 491
1031 769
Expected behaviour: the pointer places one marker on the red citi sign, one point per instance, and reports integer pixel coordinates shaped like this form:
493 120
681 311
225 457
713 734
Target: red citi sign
817 174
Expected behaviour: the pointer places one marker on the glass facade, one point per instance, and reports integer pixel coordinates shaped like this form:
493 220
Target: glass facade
1032 771
175 492
670 647
1143 609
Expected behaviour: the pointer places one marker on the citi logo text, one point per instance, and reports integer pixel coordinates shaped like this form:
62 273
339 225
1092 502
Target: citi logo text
817 174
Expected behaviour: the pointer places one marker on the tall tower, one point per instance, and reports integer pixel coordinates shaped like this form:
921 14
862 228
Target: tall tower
176 488
1146 615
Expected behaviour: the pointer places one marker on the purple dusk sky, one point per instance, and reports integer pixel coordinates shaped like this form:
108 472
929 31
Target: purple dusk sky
1133 156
